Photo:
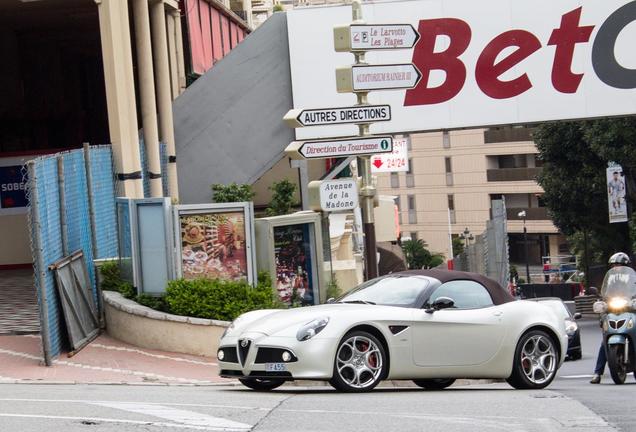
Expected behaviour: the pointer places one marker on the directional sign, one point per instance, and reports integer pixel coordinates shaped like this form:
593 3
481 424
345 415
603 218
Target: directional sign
333 195
364 78
359 37
340 147
396 161
333 116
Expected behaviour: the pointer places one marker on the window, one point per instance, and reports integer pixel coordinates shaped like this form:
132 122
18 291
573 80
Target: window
451 208
449 171
410 179
446 139
412 209
465 293
395 180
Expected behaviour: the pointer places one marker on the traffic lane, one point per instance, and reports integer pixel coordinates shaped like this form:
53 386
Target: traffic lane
129 408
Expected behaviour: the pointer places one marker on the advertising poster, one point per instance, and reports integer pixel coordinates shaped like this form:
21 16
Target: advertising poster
213 245
616 193
12 188
294 279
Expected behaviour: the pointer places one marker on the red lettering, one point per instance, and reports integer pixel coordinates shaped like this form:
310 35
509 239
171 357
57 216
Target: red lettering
426 60
565 38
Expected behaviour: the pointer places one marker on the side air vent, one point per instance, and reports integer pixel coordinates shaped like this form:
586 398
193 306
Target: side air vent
395 329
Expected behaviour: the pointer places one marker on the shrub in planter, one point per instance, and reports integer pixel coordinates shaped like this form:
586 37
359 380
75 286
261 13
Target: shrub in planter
218 299
112 281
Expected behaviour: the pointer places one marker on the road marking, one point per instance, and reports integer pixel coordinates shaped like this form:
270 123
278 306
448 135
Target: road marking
189 418
159 356
20 354
112 420
97 402
575 376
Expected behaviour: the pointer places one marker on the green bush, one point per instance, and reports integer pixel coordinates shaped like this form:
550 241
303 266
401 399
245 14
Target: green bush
219 299
112 280
153 302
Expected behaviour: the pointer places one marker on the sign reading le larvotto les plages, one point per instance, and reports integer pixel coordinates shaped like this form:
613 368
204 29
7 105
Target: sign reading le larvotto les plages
481 63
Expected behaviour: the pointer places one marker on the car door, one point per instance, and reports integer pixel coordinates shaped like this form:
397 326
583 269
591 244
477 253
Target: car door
468 334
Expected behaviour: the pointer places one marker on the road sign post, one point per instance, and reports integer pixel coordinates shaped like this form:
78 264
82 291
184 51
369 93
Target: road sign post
324 149
334 116
364 78
362 37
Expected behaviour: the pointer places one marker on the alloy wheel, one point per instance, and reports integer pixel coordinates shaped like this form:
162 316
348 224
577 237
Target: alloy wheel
538 359
359 362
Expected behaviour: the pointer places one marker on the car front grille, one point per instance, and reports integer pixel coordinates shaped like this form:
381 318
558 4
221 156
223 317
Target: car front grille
273 355
230 355
243 349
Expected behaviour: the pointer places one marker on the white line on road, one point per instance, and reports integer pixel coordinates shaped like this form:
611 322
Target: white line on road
189 418
576 376
112 420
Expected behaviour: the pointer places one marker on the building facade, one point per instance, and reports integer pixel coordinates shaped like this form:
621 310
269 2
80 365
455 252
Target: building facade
454 176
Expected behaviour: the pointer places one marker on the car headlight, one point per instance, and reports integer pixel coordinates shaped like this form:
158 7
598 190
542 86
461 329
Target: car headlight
599 307
570 327
312 328
630 324
617 303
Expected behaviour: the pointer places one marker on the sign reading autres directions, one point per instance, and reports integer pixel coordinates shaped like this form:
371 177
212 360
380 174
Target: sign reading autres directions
333 116
340 147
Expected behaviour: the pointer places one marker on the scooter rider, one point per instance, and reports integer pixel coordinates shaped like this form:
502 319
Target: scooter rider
616 260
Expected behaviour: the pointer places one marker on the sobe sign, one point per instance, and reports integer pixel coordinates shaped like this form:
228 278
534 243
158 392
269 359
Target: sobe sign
482 63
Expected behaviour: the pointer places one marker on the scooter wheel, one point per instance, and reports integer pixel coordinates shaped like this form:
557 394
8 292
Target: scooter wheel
616 363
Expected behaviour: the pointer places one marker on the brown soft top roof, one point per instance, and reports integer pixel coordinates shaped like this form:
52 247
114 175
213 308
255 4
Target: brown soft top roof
497 292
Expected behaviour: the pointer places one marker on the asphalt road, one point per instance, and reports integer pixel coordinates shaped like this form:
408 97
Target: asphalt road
570 404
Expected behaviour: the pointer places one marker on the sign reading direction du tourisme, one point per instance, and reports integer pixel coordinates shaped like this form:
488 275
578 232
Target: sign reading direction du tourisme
333 116
362 37
365 145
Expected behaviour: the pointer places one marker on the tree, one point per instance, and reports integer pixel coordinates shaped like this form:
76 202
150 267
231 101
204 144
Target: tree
278 8
575 156
282 198
232 193
418 256
458 246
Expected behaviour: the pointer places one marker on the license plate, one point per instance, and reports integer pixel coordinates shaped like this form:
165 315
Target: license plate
275 367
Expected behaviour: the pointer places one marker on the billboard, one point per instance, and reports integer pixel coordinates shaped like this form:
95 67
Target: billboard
482 63
616 193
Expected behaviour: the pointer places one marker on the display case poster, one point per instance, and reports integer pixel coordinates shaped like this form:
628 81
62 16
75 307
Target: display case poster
213 246
12 187
292 251
616 193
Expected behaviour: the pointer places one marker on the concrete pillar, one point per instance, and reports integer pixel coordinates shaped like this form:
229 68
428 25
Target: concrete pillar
164 99
172 56
147 94
180 53
120 95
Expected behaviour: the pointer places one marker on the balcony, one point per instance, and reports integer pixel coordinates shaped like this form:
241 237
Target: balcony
493 136
532 214
512 174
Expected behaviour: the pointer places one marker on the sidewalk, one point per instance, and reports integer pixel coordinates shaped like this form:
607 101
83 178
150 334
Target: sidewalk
104 361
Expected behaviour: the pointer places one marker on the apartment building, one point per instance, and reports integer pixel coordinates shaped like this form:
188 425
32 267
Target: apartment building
454 176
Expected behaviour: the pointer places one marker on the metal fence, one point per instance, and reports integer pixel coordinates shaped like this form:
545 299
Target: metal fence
71 207
488 255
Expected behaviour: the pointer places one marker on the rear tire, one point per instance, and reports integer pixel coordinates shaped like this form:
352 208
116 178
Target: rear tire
434 384
616 363
535 362
261 384
360 363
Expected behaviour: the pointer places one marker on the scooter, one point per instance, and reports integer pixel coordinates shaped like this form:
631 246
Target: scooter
618 318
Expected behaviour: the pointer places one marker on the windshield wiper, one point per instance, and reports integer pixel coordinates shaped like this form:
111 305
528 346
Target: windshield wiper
358 302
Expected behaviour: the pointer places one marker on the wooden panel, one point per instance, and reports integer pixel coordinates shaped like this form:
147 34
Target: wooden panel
217 45
206 34
194 35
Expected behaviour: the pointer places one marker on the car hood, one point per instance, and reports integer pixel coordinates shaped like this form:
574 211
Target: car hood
290 319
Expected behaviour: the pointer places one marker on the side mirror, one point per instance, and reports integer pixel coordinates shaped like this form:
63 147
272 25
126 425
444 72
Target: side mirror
331 300
578 316
441 303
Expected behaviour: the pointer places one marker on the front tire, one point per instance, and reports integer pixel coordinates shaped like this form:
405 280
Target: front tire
360 363
535 362
616 363
261 384
434 384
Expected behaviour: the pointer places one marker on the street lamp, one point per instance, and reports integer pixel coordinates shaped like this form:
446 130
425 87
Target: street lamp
466 236
522 215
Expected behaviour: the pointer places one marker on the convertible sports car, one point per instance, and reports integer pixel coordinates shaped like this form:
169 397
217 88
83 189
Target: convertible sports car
429 326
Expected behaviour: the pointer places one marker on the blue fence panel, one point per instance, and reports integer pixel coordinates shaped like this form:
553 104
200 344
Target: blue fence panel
76 209
145 178
103 191
163 154
50 234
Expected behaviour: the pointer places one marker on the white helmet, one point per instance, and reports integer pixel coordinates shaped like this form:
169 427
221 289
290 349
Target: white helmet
619 258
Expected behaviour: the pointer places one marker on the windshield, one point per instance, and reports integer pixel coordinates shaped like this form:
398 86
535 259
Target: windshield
390 290
619 282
